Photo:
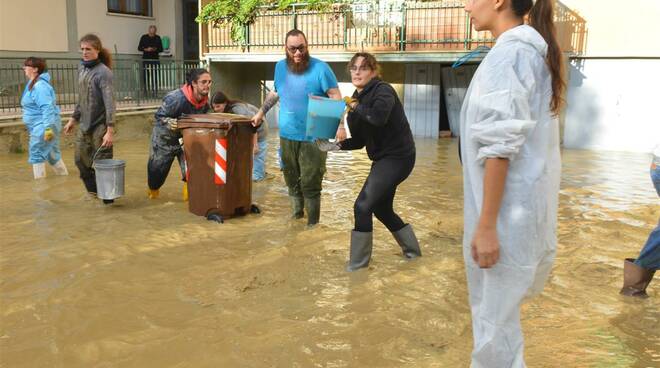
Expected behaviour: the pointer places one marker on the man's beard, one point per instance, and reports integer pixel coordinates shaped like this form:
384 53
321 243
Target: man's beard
297 68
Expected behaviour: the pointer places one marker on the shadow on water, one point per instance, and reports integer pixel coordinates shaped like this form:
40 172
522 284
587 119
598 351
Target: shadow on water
145 283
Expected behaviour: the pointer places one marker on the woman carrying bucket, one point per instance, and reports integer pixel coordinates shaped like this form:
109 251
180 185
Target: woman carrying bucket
95 111
376 120
42 119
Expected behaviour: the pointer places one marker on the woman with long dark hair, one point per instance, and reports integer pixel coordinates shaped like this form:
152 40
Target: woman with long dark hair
377 121
42 119
95 111
221 103
511 170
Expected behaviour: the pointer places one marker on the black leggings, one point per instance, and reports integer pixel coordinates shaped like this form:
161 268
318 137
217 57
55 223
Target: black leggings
377 195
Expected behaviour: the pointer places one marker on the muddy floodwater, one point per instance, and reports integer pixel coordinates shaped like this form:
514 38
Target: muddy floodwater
144 283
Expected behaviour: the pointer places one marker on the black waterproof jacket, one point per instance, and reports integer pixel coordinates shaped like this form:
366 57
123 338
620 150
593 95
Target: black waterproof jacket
379 123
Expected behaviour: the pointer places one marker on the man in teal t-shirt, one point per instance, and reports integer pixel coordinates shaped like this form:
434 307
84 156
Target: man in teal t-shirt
296 77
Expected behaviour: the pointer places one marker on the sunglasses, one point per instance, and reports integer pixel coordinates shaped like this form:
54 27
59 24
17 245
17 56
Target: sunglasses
293 49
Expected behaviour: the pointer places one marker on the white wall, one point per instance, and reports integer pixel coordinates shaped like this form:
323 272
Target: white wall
613 105
620 28
25 26
124 31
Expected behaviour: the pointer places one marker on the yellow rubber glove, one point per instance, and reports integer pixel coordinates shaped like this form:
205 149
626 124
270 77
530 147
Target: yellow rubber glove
49 134
349 101
184 193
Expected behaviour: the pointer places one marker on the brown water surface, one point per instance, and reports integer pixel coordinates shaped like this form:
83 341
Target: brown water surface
144 283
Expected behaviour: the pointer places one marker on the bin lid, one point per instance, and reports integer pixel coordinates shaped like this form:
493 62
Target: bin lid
215 120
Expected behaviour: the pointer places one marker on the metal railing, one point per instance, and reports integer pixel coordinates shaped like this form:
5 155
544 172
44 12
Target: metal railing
135 84
405 26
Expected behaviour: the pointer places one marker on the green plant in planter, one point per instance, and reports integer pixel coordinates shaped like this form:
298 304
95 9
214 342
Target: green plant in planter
239 14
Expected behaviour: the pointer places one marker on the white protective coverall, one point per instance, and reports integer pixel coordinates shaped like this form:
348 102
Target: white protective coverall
506 114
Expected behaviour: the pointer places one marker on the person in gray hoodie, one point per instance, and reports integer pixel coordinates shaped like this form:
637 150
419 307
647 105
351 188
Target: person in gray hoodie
95 111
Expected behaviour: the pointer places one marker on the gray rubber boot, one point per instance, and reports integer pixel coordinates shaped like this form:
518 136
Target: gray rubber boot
635 279
360 254
313 207
297 205
408 241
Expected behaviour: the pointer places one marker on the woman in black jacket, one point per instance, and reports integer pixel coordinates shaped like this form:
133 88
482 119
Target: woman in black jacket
376 120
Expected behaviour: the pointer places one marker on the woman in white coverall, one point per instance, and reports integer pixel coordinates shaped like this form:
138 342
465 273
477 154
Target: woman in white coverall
511 168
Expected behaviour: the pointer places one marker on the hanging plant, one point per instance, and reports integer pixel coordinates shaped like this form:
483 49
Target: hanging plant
239 14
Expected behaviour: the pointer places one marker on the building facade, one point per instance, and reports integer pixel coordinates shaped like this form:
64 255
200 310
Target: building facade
610 48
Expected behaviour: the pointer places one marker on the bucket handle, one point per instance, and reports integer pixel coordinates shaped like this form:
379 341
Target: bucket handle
96 153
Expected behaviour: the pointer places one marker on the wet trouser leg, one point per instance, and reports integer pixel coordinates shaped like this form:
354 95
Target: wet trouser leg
649 257
498 338
259 162
655 177
87 144
496 295
55 154
165 147
377 194
303 168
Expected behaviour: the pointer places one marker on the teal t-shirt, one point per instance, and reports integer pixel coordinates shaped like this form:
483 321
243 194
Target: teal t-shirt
294 90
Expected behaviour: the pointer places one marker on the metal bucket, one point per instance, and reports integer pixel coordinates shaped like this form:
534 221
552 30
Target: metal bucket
109 178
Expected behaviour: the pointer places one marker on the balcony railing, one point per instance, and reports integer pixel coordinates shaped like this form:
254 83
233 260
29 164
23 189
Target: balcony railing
130 87
412 26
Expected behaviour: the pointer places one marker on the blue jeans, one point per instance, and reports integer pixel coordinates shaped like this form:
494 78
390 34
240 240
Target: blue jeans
649 257
259 162
655 177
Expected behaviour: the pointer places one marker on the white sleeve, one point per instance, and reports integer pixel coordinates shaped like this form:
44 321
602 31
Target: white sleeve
503 119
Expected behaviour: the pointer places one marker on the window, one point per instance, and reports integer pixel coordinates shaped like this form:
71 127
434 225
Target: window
133 7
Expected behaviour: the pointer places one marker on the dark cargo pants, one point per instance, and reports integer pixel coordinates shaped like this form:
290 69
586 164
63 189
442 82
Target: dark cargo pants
165 147
303 165
87 143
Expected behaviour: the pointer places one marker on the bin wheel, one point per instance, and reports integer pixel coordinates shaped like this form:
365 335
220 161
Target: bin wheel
254 209
215 217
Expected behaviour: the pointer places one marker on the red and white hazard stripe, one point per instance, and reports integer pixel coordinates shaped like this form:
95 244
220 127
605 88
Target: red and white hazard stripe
185 167
185 162
221 161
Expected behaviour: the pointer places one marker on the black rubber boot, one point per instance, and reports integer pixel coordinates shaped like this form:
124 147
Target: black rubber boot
635 279
360 254
313 208
297 205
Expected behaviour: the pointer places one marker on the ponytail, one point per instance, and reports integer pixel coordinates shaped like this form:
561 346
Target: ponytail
104 55
541 18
